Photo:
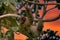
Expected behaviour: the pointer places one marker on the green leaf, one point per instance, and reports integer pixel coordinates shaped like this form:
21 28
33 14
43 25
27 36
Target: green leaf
0 4
13 2
12 21
9 6
8 22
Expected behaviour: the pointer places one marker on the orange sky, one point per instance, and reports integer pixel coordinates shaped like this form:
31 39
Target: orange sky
51 14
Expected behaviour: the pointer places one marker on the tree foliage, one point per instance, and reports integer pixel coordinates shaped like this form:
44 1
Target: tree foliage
23 21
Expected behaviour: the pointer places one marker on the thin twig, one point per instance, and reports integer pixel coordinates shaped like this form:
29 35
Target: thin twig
44 8
51 9
52 19
47 11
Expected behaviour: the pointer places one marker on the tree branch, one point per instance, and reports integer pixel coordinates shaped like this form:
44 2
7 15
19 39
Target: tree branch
52 19
51 9
47 11
10 15
42 4
29 14
44 8
13 8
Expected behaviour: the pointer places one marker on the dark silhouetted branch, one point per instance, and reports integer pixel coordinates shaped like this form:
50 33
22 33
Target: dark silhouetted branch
44 8
47 11
43 4
51 9
52 19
